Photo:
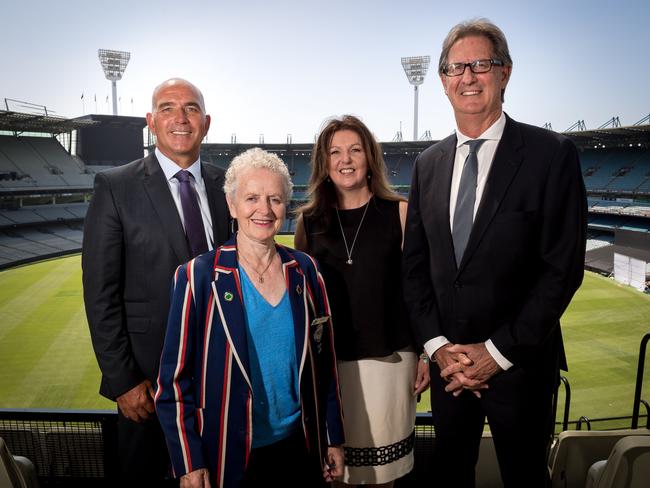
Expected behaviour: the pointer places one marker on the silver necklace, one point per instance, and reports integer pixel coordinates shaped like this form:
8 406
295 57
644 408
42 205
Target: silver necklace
349 250
260 276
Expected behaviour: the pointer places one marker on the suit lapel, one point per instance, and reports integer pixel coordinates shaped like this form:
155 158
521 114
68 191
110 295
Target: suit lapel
505 165
158 192
214 188
439 193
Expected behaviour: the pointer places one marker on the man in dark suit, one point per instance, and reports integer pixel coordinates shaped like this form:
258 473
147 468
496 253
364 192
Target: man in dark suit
144 220
493 253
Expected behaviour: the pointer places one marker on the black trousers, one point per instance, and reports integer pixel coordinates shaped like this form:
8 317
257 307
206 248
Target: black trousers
518 406
143 456
287 462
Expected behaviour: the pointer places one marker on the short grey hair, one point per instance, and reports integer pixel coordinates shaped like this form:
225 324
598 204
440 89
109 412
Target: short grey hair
481 28
257 158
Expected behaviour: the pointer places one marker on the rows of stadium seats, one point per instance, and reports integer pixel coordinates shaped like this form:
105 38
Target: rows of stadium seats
399 168
616 170
639 209
612 222
25 244
39 231
27 162
43 213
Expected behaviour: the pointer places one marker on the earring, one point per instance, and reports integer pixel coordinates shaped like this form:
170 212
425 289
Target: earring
369 175
328 179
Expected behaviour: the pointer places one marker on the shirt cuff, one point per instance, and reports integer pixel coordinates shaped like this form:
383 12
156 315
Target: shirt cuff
497 356
432 345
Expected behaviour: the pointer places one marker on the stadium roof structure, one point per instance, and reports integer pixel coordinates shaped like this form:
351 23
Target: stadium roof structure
115 121
634 135
25 122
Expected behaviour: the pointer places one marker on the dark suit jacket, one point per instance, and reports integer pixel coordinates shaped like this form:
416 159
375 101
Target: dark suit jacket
525 255
133 242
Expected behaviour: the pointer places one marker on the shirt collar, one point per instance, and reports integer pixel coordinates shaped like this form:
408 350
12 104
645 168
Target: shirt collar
494 132
170 168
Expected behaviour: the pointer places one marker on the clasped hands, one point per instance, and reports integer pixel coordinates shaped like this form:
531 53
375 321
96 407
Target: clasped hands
466 367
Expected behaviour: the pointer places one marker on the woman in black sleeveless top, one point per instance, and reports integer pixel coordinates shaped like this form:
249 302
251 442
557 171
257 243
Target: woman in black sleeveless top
353 225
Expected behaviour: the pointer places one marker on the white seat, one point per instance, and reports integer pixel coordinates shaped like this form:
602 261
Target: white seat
575 451
628 465
16 472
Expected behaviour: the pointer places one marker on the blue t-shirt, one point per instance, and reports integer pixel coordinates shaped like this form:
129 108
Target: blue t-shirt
273 364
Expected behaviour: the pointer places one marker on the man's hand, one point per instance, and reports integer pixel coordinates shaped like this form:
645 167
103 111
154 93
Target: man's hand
333 464
444 357
422 378
137 403
482 367
196 479
453 362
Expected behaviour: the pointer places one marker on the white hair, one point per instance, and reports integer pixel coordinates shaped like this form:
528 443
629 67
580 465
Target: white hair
257 158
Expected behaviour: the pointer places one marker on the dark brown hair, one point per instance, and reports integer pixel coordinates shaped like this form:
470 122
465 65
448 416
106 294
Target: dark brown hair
321 191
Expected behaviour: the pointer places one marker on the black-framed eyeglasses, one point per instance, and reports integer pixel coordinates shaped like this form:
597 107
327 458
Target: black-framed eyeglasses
477 66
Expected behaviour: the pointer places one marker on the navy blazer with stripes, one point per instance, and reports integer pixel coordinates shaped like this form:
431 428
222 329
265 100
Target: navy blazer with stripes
204 393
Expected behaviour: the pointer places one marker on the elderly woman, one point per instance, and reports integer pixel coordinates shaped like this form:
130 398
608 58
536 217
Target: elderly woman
353 224
247 387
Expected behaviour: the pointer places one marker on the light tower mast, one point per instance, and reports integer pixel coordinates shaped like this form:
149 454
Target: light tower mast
114 63
416 68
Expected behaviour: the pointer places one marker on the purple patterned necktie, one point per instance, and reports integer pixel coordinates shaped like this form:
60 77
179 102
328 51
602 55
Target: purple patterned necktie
194 229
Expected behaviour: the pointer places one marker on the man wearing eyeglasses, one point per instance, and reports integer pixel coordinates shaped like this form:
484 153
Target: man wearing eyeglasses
493 253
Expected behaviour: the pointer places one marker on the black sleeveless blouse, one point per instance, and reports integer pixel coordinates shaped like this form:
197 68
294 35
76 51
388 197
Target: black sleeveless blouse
368 311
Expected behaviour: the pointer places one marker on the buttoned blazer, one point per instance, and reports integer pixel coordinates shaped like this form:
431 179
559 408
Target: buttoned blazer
133 242
204 390
525 255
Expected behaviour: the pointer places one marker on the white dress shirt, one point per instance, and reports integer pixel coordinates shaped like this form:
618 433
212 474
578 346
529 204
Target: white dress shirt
170 168
485 156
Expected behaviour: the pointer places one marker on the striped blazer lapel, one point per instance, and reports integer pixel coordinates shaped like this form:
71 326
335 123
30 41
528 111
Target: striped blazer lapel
228 300
296 288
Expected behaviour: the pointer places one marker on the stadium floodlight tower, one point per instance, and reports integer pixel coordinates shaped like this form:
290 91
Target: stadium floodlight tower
114 63
416 68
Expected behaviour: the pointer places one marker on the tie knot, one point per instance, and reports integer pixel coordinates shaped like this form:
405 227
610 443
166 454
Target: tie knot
474 145
183 176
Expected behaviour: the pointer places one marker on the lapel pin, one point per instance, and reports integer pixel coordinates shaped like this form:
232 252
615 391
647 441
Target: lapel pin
228 296
298 290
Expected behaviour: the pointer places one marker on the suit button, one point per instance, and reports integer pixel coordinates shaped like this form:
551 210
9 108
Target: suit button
457 285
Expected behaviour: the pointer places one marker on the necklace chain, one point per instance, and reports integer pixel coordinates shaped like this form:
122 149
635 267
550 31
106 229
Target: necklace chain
354 241
260 276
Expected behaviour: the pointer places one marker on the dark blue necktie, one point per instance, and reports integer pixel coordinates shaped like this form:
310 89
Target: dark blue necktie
194 230
464 213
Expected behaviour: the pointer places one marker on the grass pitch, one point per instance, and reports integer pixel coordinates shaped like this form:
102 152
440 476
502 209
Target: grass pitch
47 361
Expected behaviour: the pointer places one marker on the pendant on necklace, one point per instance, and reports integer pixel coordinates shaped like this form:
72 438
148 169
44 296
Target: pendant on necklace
349 261
261 279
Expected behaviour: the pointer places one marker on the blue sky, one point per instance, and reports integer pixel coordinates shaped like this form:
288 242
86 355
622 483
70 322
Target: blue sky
282 67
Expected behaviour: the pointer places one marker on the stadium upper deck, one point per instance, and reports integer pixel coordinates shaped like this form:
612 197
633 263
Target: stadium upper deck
45 189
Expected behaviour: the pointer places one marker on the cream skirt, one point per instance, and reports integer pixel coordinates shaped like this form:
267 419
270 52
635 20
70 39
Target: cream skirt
379 417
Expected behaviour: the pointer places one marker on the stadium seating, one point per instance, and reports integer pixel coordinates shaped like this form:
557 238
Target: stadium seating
299 167
575 451
39 162
399 168
621 170
628 465
16 471
28 243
